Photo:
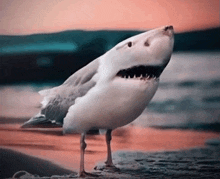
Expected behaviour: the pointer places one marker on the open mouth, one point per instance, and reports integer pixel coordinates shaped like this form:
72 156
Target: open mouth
141 72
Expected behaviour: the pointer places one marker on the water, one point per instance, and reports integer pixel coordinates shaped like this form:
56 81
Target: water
188 95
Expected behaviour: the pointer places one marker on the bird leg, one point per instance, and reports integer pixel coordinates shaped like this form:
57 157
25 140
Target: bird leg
108 138
82 151
109 164
83 145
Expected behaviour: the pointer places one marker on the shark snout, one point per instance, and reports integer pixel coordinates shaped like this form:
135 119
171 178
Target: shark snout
165 30
168 30
170 27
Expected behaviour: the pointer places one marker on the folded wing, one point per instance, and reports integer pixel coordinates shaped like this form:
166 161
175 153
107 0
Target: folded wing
57 100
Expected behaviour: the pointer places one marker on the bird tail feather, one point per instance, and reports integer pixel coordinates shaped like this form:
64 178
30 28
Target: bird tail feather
40 121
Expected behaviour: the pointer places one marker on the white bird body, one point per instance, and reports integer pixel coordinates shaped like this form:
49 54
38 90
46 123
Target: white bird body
109 105
111 91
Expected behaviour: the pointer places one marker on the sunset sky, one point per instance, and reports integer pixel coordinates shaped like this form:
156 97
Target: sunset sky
41 16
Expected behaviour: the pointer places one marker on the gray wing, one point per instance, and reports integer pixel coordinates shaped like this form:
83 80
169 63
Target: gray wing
57 100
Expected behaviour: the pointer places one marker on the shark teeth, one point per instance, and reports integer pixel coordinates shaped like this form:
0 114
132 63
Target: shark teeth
141 72
147 77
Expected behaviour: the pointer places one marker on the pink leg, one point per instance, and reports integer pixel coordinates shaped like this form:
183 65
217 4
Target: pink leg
82 151
109 166
109 163
109 152
82 172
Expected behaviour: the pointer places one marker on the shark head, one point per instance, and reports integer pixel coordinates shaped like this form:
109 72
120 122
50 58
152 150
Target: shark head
143 56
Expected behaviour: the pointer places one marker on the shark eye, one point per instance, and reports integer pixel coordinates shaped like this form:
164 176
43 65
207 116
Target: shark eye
129 44
147 43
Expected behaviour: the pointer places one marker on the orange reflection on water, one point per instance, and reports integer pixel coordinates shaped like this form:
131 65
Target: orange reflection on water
50 144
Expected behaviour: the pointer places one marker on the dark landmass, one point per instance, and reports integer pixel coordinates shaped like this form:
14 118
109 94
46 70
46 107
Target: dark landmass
55 56
12 162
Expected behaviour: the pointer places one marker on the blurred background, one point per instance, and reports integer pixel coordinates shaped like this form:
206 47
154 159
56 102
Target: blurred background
43 42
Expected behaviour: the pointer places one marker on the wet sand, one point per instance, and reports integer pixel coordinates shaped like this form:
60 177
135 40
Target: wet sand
51 145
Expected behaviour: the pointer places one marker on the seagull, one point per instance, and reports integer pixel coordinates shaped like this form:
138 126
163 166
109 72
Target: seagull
109 92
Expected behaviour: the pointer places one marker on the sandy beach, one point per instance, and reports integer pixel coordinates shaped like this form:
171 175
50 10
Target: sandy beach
137 152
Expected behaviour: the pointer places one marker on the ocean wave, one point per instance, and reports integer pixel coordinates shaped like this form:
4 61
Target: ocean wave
205 84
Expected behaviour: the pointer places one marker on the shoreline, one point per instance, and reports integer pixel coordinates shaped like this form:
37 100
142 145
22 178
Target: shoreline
64 151
197 162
